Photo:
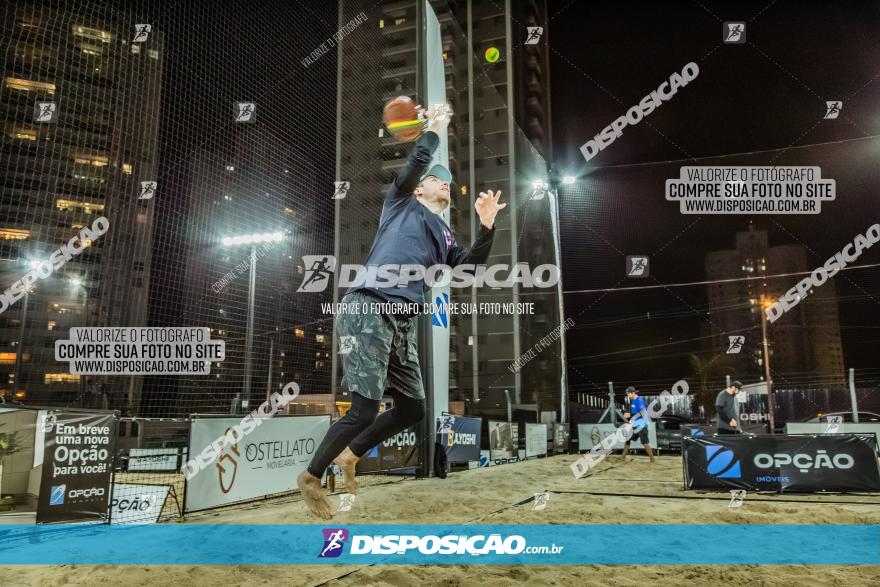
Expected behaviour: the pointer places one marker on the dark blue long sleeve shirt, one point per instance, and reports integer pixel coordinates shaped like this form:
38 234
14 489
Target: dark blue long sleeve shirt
411 234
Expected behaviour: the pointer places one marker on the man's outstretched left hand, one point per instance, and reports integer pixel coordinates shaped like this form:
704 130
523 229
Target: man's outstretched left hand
487 207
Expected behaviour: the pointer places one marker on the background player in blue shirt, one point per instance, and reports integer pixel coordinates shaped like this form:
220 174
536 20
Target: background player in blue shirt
638 418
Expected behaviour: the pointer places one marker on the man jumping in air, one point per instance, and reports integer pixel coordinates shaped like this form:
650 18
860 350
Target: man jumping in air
411 232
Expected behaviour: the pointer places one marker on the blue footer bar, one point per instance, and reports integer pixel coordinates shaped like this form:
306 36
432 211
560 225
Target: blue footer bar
625 544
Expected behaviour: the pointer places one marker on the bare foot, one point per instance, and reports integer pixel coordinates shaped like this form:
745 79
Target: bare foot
347 461
310 487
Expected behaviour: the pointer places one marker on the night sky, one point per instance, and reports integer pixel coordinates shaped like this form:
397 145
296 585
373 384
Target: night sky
763 95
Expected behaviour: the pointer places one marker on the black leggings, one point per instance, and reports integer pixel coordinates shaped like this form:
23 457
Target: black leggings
360 429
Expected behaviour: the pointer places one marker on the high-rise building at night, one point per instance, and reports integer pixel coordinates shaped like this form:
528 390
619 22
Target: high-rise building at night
100 94
804 343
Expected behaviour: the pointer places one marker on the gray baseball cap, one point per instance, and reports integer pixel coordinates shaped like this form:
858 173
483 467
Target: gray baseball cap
438 171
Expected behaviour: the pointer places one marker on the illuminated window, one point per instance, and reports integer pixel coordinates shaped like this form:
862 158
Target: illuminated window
52 325
89 178
464 190
23 134
126 168
87 207
320 338
89 49
135 48
381 23
141 218
93 34
153 53
300 333
8 393
49 378
26 85
7 358
445 55
288 211
319 364
400 20
14 234
96 160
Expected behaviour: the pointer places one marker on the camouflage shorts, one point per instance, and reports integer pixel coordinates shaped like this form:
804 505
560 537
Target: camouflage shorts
378 351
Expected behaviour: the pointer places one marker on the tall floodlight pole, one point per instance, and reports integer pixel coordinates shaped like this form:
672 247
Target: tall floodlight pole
771 408
551 188
250 240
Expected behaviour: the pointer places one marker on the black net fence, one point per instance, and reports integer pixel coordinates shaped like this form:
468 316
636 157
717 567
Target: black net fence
180 131
696 312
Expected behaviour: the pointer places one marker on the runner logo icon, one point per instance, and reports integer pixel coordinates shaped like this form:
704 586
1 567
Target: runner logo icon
334 539
318 269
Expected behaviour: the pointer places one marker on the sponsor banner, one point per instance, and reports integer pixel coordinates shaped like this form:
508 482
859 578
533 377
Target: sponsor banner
842 428
503 439
154 459
400 451
702 428
266 461
589 435
536 440
485 458
77 465
137 504
450 544
560 434
841 462
461 438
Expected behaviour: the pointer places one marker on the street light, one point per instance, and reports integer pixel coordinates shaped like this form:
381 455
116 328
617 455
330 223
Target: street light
540 188
766 302
252 240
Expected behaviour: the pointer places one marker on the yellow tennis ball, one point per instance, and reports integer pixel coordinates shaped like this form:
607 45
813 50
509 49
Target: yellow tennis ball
492 54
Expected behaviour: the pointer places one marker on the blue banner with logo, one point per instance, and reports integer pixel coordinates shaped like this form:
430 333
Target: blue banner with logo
513 544
400 451
460 436
806 463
